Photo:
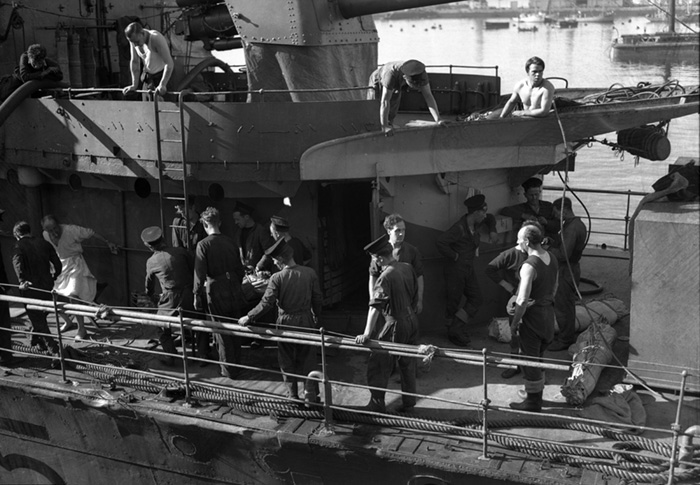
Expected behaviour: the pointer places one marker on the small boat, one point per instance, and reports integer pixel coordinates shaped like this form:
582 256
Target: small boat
496 24
533 18
568 23
602 18
527 28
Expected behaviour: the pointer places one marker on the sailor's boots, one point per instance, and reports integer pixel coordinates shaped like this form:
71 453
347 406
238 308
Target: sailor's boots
533 403
311 398
457 333
292 389
166 341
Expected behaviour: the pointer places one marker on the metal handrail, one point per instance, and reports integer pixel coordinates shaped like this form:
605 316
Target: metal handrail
484 358
626 219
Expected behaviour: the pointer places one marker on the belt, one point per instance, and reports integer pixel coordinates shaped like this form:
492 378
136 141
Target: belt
408 313
226 275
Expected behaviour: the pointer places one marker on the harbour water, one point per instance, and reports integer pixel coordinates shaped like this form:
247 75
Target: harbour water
581 56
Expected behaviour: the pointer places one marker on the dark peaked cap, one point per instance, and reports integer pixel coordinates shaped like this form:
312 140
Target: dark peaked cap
279 222
379 246
242 208
532 182
151 235
475 202
276 249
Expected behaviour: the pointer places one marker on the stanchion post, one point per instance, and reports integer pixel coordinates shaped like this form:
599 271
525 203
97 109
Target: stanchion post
185 368
485 406
676 428
327 391
54 295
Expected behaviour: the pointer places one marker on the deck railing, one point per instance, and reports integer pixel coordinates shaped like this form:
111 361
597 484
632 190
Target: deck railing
618 227
483 432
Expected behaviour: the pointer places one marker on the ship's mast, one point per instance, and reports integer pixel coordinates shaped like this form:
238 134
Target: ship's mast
672 16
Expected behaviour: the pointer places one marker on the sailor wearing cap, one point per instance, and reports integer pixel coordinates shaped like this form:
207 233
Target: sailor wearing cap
173 268
533 209
218 273
252 238
460 246
296 292
395 296
390 79
403 251
279 229
5 323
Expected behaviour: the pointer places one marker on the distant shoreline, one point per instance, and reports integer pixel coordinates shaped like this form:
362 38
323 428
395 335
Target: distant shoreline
452 11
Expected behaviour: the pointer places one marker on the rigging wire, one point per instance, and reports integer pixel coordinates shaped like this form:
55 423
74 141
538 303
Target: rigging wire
594 323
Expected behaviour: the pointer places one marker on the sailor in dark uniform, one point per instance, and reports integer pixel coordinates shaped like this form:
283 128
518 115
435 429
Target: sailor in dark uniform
173 268
533 317
217 283
279 229
533 209
37 266
252 238
296 292
460 245
395 296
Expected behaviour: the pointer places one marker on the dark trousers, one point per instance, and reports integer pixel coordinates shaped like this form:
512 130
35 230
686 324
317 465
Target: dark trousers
461 281
224 300
38 321
380 365
534 342
565 309
300 360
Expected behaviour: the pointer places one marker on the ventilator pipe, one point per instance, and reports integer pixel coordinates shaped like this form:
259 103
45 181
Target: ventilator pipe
22 93
206 63
686 444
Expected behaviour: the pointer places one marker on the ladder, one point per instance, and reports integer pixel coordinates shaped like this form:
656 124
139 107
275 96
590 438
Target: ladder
164 172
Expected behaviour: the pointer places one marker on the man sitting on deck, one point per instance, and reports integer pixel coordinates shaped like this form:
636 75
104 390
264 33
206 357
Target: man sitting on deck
534 92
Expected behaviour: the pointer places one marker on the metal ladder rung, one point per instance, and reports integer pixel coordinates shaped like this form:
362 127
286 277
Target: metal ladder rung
168 110
172 197
171 141
173 170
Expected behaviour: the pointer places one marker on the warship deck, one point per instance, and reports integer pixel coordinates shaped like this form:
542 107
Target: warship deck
454 396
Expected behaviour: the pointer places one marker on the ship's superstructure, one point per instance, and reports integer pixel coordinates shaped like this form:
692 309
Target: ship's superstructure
291 133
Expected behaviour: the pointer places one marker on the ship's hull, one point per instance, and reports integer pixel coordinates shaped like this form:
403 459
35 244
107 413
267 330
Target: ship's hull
52 434
654 48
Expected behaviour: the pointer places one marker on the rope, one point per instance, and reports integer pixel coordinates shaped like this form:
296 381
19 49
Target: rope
621 461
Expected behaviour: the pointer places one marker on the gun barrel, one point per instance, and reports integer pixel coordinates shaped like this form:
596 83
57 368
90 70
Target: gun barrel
356 8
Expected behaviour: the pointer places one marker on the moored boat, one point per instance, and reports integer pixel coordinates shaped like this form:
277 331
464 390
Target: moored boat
661 46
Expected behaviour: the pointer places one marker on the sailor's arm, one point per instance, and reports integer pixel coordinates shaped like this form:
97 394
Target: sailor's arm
372 315
384 109
135 68
430 100
160 45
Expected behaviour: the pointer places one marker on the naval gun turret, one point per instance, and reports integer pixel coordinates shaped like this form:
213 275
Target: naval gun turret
297 45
